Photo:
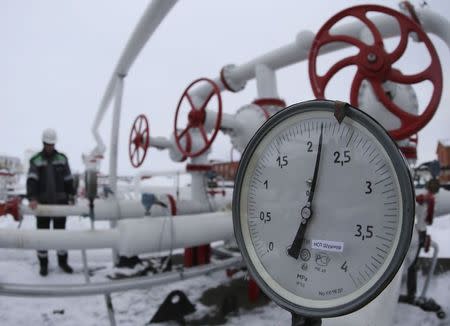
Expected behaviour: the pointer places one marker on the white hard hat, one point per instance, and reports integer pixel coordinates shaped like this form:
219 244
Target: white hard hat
49 136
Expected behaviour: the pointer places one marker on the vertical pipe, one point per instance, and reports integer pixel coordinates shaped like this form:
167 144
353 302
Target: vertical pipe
199 192
266 82
115 134
114 146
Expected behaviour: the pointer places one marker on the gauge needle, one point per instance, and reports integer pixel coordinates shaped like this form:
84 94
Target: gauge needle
306 212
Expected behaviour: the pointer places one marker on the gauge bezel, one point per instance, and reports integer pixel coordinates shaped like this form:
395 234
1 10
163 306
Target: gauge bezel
408 207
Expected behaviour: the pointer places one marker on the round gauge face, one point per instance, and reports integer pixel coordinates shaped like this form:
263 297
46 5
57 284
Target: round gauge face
323 210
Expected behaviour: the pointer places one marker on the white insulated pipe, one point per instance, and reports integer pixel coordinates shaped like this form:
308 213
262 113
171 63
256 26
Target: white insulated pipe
266 82
153 235
160 142
111 209
108 209
299 49
58 239
276 59
131 236
115 135
161 173
149 22
435 24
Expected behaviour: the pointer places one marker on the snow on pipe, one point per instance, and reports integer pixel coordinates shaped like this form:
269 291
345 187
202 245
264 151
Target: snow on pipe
131 237
60 290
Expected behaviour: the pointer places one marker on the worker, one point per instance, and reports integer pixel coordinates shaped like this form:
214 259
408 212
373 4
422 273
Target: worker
50 181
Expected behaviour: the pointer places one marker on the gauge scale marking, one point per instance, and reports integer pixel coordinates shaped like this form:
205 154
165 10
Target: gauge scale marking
323 210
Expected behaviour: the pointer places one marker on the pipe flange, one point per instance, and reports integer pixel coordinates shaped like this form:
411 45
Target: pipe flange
230 84
251 116
174 153
409 152
270 105
198 167
403 96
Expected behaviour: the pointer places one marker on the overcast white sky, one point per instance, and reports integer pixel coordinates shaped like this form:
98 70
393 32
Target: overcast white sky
57 56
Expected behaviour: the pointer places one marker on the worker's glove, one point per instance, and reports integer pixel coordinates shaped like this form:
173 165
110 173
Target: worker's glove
33 204
72 200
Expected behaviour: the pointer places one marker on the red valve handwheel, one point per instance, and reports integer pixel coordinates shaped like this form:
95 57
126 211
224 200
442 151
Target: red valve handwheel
375 64
139 140
196 118
11 207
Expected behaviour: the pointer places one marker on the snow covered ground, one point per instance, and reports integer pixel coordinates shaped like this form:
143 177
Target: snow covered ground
138 306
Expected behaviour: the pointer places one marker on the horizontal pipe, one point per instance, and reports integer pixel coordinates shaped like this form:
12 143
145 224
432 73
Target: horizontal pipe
58 239
160 142
104 209
157 234
107 209
131 237
299 50
71 290
110 209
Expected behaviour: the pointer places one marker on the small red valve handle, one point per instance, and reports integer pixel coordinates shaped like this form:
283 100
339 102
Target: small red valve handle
430 201
11 207
213 192
197 117
139 141
427 243
375 65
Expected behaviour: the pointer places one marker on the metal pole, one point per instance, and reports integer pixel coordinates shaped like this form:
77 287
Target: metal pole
432 269
85 266
110 308
70 290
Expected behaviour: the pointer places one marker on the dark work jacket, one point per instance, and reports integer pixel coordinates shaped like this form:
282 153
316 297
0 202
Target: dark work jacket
49 179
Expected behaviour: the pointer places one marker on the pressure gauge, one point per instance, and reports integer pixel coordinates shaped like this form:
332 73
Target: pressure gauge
323 208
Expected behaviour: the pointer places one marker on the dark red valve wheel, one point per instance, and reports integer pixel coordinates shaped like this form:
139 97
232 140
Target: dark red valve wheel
139 141
196 117
375 65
